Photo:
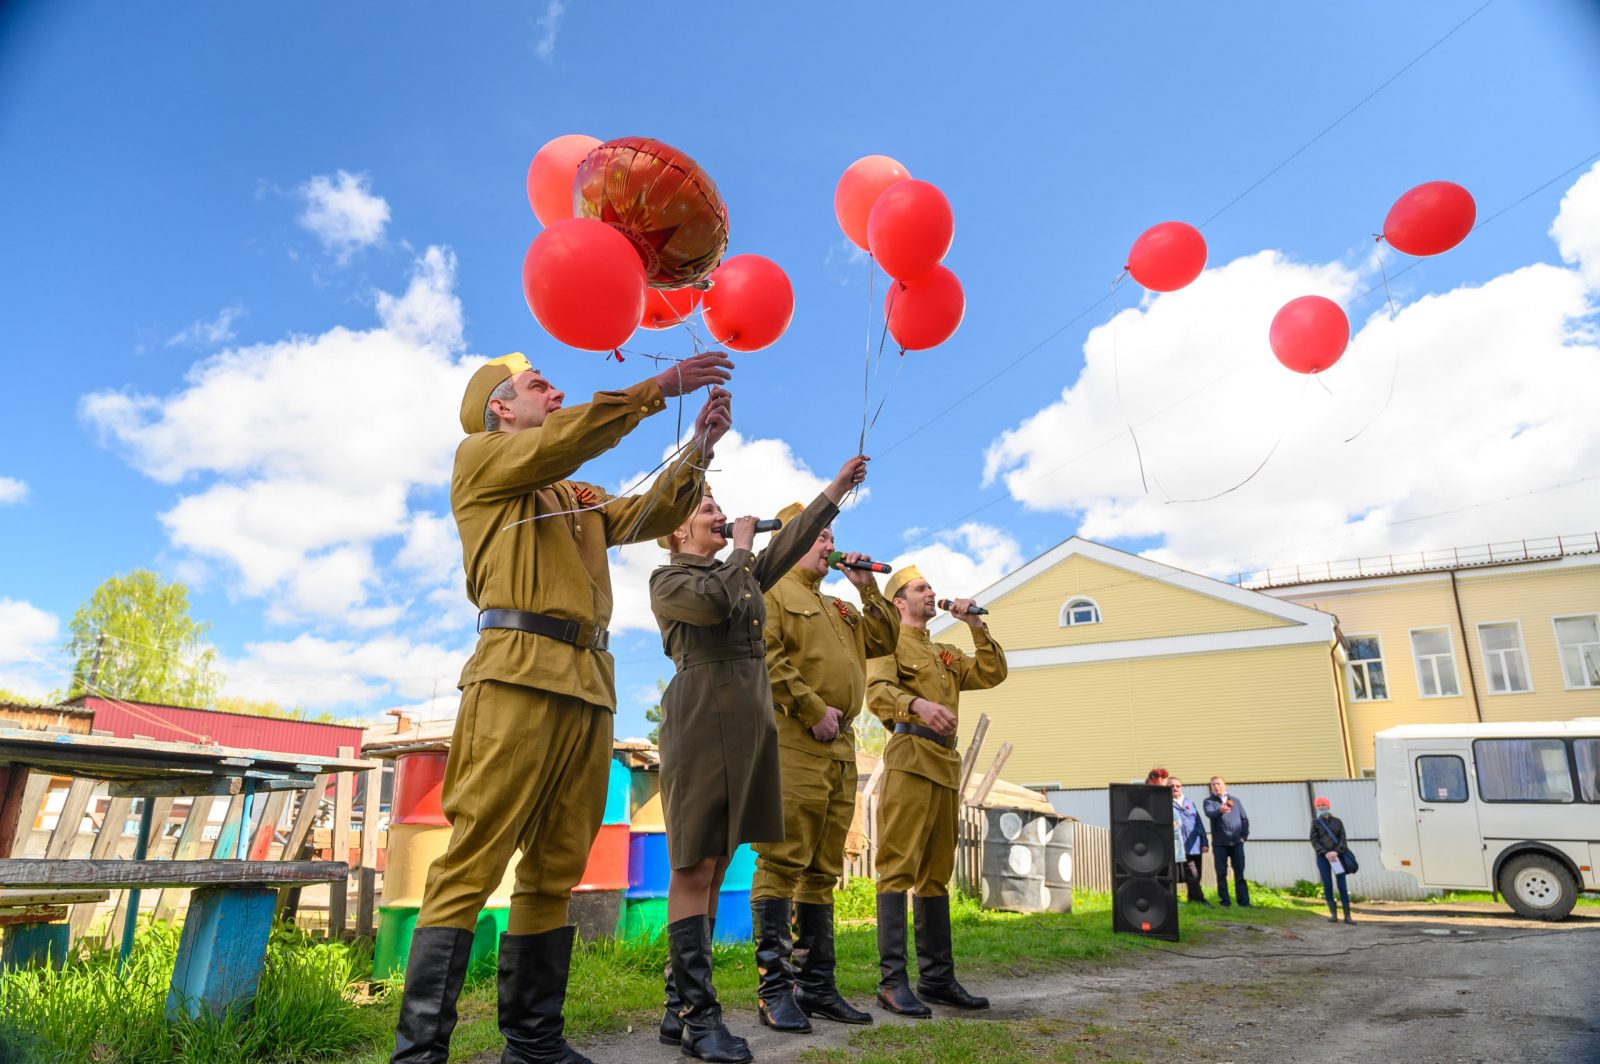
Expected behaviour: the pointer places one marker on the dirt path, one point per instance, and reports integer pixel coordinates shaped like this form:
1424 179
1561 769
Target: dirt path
1410 983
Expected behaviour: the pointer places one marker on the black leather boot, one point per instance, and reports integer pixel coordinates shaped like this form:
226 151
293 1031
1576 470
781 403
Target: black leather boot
705 1037
775 1005
533 989
894 989
434 974
936 969
814 988
671 1030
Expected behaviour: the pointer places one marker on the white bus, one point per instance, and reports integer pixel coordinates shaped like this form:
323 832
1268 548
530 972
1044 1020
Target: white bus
1510 808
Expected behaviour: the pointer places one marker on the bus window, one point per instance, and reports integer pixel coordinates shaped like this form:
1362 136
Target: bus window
1523 770
1588 751
1441 778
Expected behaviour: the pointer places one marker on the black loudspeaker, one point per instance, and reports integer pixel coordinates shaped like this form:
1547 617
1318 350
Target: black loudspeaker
1144 888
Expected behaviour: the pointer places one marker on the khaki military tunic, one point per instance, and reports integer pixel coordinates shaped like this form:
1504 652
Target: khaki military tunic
917 814
817 650
530 753
719 750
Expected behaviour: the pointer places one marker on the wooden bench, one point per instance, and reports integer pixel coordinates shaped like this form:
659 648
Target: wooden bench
224 940
36 932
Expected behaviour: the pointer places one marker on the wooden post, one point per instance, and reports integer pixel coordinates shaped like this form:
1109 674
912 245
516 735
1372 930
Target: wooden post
987 783
190 839
22 793
367 871
305 816
228 833
339 890
124 915
70 820
267 827
106 841
221 951
974 748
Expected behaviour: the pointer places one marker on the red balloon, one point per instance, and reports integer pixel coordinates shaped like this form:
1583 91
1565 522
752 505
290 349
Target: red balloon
910 229
550 176
925 311
1167 256
750 303
662 201
859 188
584 283
1430 219
663 308
1309 334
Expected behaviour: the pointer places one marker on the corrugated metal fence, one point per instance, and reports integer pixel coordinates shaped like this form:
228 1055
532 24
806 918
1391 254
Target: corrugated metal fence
1279 852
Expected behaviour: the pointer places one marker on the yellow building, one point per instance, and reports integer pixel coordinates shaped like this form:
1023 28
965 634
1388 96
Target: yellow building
1119 663
1468 638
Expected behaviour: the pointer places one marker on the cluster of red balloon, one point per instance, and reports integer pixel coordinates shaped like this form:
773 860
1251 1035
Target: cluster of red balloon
634 234
907 226
1310 333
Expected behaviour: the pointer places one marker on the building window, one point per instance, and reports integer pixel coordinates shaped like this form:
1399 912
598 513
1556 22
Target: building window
1367 683
1436 663
1079 611
1503 657
1588 751
1579 641
1523 770
1441 778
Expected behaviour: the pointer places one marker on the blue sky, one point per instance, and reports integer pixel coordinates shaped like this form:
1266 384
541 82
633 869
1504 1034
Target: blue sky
161 161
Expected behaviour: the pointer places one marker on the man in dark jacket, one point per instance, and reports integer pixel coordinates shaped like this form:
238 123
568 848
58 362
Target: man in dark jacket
1230 830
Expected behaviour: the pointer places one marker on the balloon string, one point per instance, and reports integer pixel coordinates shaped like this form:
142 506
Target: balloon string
883 337
866 355
1394 371
1289 413
1116 371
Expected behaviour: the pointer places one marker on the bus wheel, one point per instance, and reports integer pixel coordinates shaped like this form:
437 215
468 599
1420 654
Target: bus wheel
1538 887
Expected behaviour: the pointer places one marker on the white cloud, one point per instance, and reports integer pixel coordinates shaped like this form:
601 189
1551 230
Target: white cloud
1576 229
218 330
1494 398
28 633
342 212
549 25
958 563
330 673
12 490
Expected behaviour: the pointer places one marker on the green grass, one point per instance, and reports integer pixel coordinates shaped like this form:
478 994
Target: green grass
1455 897
995 1042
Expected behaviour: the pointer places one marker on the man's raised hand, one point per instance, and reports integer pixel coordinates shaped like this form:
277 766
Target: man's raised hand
714 419
681 378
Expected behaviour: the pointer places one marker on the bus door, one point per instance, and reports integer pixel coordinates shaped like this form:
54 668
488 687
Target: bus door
1450 842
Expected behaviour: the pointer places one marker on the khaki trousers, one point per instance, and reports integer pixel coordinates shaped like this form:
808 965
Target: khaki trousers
916 835
819 799
527 770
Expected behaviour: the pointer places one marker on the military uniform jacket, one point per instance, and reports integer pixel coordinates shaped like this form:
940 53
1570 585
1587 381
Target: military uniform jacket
817 651
719 752
523 549
921 668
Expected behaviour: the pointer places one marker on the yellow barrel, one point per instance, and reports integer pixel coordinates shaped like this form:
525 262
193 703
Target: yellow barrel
412 848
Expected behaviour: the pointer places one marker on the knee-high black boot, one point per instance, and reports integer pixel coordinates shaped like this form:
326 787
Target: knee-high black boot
671 1030
533 989
705 1037
894 989
775 1003
434 973
815 990
936 968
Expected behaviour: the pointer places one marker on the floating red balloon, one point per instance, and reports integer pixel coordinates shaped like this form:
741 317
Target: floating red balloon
859 188
1430 219
909 229
662 201
1309 334
1167 256
664 308
750 303
925 311
550 176
584 283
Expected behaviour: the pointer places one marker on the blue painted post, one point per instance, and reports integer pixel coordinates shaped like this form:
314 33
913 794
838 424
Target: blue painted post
131 918
35 945
242 846
221 951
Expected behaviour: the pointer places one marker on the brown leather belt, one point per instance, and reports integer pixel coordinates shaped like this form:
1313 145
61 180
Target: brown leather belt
949 742
578 634
710 655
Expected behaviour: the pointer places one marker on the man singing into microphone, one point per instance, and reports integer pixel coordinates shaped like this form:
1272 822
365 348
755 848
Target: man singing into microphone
817 650
916 692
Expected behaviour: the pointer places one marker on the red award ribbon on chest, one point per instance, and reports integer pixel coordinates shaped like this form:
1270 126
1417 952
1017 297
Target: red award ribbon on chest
844 611
584 496
948 658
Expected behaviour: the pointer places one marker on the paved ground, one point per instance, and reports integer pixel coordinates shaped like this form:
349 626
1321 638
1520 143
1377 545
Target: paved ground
1415 983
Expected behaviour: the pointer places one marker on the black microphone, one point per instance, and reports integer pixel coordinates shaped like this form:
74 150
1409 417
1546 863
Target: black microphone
767 524
836 559
945 604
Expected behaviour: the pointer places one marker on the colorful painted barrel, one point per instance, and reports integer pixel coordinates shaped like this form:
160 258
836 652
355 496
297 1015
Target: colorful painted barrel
418 782
397 922
412 848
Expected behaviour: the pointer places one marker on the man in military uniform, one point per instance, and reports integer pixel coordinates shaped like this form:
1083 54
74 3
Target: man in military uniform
817 650
916 692
529 756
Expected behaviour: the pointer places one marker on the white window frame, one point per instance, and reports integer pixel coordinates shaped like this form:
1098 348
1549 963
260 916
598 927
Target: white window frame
1417 661
1555 628
1064 620
1522 648
1350 669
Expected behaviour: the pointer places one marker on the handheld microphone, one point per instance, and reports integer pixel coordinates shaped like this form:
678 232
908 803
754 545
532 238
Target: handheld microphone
945 604
766 524
836 559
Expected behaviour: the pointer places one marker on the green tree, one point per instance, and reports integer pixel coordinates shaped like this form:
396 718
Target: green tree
653 714
134 639
871 737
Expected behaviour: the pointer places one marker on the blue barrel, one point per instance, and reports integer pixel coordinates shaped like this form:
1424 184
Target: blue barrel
648 867
618 787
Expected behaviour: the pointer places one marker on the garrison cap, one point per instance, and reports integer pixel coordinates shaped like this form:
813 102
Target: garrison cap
487 378
900 578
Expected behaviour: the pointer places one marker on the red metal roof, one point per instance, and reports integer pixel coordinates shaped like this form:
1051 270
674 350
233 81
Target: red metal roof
185 725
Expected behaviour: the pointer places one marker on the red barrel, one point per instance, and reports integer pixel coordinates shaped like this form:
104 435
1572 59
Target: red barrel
608 860
418 781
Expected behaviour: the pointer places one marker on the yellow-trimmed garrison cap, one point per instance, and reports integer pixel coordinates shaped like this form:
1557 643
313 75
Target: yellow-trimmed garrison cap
901 578
485 380
790 512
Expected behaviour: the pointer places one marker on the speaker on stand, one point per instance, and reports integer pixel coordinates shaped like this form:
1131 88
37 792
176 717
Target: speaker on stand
1144 887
